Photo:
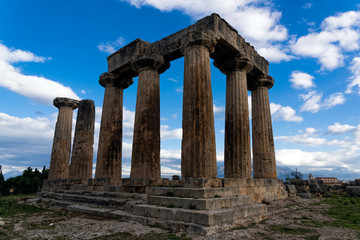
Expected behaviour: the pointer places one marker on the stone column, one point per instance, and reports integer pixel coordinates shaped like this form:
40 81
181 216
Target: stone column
108 165
145 161
60 155
82 152
263 143
237 148
198 150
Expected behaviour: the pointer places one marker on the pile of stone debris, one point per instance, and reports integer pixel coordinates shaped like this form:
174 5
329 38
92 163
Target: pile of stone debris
307 188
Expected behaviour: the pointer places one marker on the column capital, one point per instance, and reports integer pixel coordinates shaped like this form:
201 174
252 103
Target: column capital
262 81
109 79
66 102
154 62
207 39
235 64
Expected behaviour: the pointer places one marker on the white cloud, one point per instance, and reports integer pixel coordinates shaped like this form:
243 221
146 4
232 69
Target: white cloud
25 142
284 113
297 157
343 152
309 139
39 89
313 101
219 109
173 80
342 20
259 24
355 78
339 34
274 54
170 154
111 46
166 133
128 123
333 100
279 112
11 55
12 127
301 80
338 128
307 5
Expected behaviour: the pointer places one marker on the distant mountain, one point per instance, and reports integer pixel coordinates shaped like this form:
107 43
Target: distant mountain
340 173
283 172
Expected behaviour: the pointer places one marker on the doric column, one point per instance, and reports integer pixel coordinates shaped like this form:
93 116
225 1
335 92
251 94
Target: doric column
82 152
263 142
145 161
108 163
237 148
60 155
198 155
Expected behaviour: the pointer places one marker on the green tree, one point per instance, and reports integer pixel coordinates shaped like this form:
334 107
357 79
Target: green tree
296 175
2 180
29 182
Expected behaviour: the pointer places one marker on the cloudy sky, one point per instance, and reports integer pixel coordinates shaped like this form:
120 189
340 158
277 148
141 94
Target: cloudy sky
59 48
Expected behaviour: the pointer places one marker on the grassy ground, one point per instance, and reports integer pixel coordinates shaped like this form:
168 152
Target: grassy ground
11 209
10 206
345 209
308 222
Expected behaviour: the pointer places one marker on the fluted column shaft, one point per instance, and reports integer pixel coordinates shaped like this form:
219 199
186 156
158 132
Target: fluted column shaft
82 154
237 161
198 155
145 162
61 150
108 163
264 162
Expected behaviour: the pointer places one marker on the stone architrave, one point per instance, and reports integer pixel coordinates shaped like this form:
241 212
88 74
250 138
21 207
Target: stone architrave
145 161
82 153
60 154
108 165
198 155
264 162
237 161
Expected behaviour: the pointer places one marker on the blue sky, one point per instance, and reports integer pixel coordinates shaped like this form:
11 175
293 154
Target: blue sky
59 48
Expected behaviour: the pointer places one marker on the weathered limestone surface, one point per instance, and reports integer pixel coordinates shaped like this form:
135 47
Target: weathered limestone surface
82 152
108 163
264 163
198 155
237 161
229 44
145 162
60 155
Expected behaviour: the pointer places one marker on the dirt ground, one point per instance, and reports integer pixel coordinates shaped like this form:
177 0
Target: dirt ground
289 219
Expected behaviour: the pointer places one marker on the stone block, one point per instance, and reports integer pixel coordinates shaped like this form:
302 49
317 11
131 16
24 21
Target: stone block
205 218
353 190
192 192
201 183
113 188
199 204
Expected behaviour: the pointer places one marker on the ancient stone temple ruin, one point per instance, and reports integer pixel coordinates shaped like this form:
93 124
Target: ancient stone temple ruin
198 202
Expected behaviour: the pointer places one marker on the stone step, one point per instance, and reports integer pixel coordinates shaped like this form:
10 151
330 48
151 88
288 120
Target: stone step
202 217
103 194
200 204
193 192
176 225
94 200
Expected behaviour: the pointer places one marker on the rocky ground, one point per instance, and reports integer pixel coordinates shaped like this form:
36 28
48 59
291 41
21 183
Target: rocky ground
293 218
